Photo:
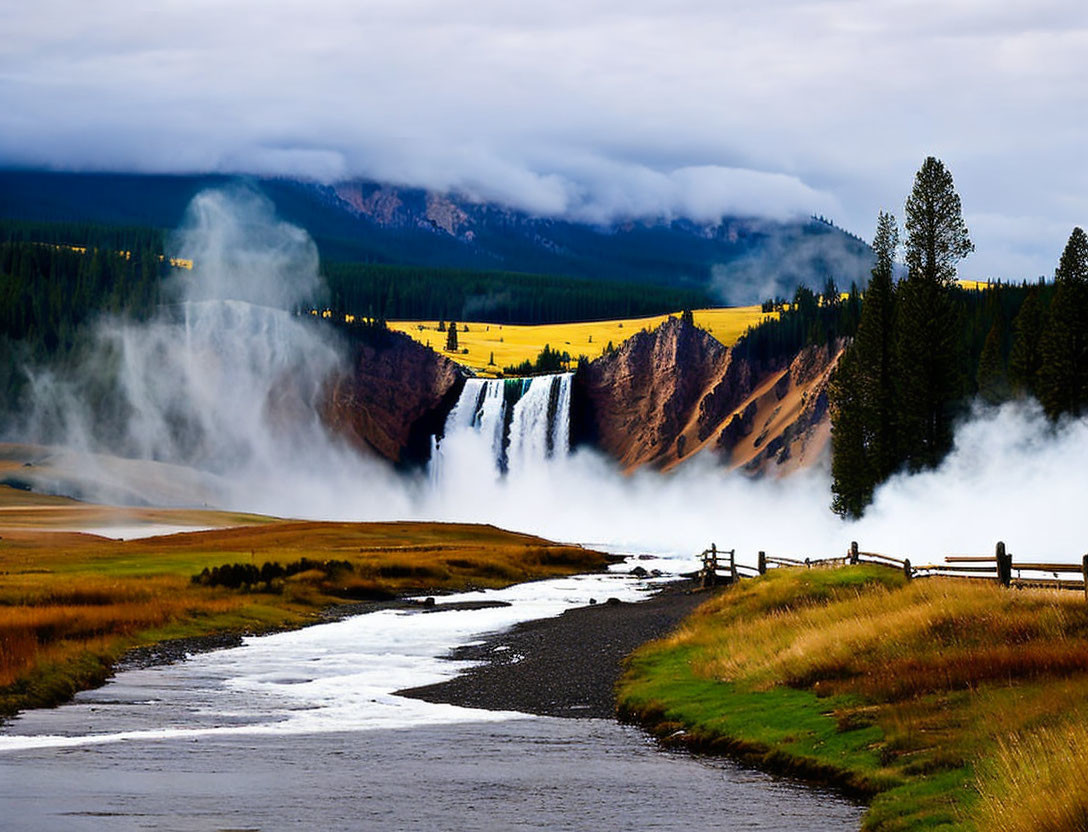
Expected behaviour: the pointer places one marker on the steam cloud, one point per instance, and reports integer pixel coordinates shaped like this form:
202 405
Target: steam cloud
223 386
226 386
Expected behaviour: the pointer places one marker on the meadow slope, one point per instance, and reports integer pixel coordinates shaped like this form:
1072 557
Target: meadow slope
952 704
510 344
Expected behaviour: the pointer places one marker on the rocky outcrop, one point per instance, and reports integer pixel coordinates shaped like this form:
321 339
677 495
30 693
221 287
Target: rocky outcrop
660 399
641 404
395 397
665 396
783 425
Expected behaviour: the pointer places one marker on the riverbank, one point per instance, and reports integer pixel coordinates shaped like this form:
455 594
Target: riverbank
75 603
566 666
953 704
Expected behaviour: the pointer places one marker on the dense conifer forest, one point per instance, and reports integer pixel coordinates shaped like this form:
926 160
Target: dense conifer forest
926 349
413 293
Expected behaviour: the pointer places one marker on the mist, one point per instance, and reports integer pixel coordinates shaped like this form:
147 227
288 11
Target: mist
782 264
216 402
224 383
1011 476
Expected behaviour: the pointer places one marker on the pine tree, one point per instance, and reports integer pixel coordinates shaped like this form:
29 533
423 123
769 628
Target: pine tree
451 337
927 322
937 237
1063 376
875 340
851 471
1025 358
862 394
993 384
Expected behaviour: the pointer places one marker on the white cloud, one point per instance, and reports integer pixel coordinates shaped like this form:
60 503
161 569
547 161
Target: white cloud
589 109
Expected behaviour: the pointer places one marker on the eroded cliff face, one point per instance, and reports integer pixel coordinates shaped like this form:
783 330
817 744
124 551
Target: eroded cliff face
783 424
641 404
396 396
667 395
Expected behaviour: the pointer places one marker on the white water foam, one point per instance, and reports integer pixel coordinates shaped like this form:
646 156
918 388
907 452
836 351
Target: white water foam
332 677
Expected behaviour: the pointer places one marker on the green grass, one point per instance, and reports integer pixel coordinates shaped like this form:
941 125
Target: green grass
901 692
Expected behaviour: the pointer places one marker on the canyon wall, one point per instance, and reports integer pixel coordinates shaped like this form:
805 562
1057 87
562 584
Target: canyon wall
656 401
666 395
394 398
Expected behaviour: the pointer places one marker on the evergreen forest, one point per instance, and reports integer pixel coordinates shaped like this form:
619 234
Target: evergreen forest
925 349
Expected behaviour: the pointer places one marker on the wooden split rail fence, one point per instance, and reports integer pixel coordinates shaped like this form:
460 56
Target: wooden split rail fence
998 567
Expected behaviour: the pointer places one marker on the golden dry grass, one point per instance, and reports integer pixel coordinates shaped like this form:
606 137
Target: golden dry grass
1037 782
511 344
976 285
70 603
958 676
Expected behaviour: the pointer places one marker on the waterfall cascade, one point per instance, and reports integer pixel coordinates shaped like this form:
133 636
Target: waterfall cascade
523 421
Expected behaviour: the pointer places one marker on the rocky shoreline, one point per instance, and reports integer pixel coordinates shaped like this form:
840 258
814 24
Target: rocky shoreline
566 666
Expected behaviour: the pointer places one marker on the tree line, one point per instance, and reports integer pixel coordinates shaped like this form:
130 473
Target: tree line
410 293
809 318
56 278
924 347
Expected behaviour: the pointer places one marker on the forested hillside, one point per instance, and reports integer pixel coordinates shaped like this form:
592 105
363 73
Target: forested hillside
413 293
381 224
54 279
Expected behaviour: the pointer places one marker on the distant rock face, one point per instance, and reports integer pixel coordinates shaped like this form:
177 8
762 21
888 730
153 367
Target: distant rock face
395 398
667 395
658 400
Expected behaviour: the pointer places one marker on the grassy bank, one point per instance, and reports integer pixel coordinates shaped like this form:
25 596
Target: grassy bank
71 604
953 704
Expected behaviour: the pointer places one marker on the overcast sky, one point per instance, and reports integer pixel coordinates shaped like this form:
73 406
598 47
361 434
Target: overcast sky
592 110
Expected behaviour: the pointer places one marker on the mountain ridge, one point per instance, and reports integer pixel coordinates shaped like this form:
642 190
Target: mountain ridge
742 259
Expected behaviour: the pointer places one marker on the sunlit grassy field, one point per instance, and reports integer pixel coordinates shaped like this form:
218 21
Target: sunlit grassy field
960 705
509 344
71 603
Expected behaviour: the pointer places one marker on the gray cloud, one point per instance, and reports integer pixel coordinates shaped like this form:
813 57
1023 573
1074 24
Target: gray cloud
590 110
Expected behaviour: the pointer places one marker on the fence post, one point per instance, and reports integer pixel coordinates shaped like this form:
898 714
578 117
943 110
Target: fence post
762 562
853 552
907 569
733 564
1084 571
1004 564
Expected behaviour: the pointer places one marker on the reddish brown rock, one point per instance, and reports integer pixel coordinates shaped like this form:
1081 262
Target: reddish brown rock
395 398
642 400
667 395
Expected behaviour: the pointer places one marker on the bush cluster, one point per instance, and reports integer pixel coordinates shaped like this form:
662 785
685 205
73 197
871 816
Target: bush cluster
248 575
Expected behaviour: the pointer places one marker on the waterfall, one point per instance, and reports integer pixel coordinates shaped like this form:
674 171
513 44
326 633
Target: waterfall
522 421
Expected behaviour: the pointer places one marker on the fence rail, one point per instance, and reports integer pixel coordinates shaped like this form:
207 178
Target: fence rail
999 567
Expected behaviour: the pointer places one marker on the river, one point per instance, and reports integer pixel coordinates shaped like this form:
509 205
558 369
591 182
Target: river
303 730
